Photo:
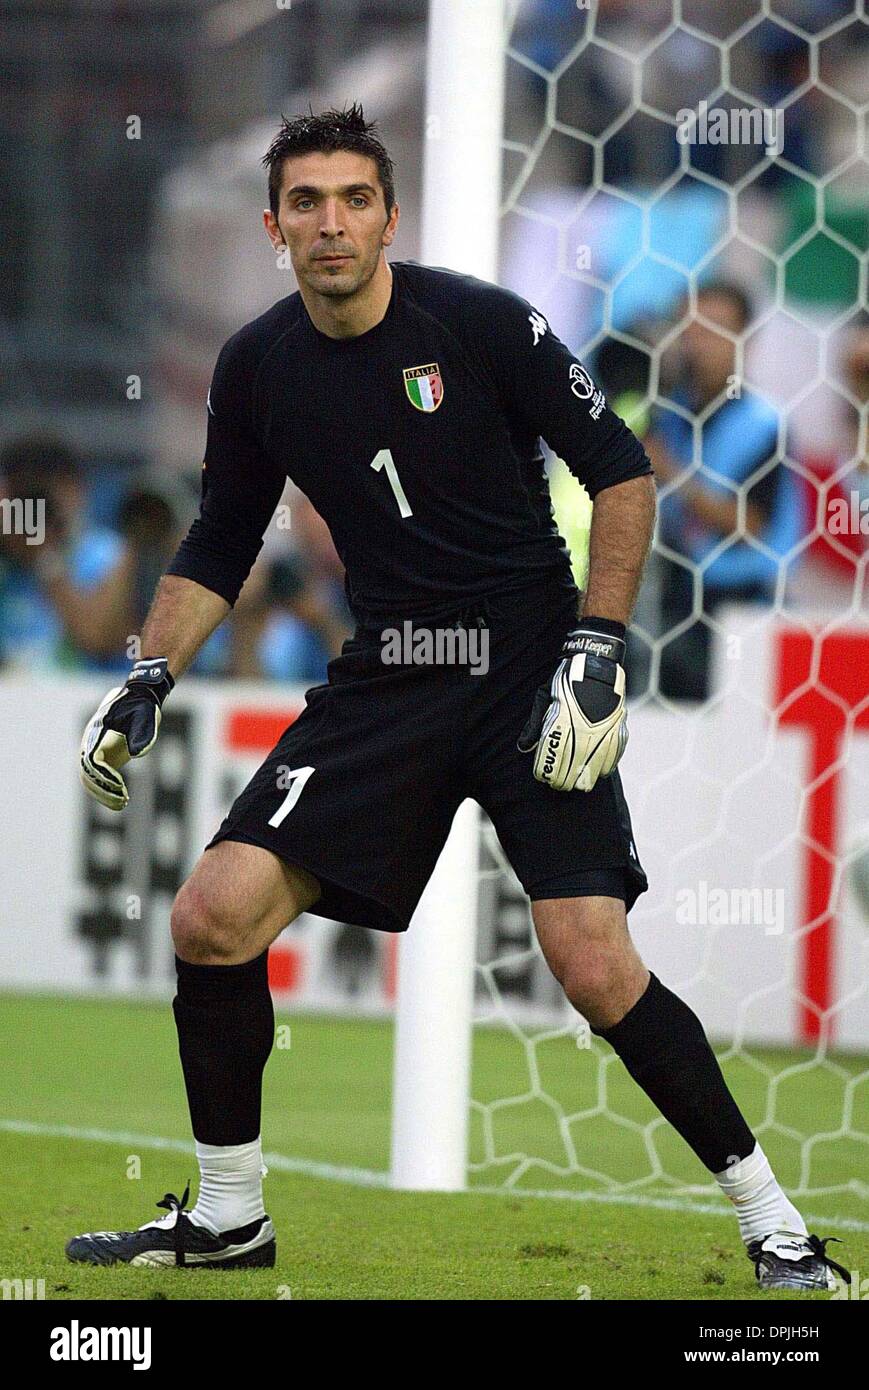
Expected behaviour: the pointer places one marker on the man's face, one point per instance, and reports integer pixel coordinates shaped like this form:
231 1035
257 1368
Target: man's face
332 218
709 354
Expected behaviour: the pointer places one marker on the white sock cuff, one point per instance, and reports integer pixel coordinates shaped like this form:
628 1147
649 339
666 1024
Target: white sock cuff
745 1174
230 1158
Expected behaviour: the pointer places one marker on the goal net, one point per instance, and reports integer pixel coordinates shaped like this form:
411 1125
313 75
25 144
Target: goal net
657 155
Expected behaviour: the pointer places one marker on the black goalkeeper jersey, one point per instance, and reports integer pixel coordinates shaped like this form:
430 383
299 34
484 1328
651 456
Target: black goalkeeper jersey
418 443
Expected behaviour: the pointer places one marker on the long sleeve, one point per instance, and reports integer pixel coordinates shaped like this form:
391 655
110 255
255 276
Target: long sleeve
549 391
241 485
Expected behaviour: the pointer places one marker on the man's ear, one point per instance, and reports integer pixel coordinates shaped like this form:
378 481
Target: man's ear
391 226
273 231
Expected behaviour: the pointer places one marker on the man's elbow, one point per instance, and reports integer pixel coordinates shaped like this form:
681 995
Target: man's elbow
638 492
645 486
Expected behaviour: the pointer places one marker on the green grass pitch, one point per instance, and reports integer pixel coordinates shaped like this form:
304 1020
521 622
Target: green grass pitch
111 1068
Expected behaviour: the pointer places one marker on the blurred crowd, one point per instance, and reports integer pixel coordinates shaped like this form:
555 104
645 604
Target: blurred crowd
81 558
745 483
738 510
746 515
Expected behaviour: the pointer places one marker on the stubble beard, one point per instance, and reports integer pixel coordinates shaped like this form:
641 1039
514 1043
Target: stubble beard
335 286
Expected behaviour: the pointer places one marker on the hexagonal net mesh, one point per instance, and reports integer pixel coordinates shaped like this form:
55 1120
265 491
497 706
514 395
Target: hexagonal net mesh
686 203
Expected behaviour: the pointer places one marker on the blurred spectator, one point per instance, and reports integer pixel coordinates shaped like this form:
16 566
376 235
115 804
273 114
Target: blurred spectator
298 639
837 490
74 595
149 522
857 366
296 617
729 555
65 599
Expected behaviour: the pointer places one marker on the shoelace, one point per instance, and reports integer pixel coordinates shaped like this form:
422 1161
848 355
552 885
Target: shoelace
820 1248
172 1203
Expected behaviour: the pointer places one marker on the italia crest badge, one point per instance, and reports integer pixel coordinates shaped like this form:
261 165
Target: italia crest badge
424 386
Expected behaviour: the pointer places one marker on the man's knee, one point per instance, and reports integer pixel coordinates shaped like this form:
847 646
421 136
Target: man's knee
204 929
590 953
237 900
592 976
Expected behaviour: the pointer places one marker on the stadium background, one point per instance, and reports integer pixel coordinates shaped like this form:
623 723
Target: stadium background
131 249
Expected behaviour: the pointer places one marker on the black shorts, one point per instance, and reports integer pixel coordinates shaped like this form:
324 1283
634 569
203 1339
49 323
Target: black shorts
362 788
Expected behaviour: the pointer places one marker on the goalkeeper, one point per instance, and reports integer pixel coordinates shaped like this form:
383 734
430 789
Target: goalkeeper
408 404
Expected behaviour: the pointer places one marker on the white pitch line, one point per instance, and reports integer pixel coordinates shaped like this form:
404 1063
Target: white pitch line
359 1177
368 1177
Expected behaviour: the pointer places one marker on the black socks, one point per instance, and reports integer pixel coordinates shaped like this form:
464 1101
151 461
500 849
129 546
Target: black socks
663 1046
226 1026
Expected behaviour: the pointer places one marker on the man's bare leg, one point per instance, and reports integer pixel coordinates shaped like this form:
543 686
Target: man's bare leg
664 1048
237 900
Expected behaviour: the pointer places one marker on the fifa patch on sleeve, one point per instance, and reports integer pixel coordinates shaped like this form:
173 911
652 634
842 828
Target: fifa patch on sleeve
583 387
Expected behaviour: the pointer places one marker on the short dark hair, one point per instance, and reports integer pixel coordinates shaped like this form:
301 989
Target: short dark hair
736 293
331 130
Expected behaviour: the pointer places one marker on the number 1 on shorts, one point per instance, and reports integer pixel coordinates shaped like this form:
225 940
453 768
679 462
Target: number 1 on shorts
297 778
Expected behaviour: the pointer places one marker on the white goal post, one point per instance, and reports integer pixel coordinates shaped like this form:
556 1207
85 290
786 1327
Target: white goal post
461 206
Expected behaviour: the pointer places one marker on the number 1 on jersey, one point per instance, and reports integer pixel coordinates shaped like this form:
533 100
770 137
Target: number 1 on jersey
384 459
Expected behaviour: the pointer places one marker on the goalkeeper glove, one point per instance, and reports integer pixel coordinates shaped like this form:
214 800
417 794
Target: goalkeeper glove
579 721
125 726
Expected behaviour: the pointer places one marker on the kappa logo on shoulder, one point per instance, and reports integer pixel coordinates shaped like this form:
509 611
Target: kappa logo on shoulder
539 326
